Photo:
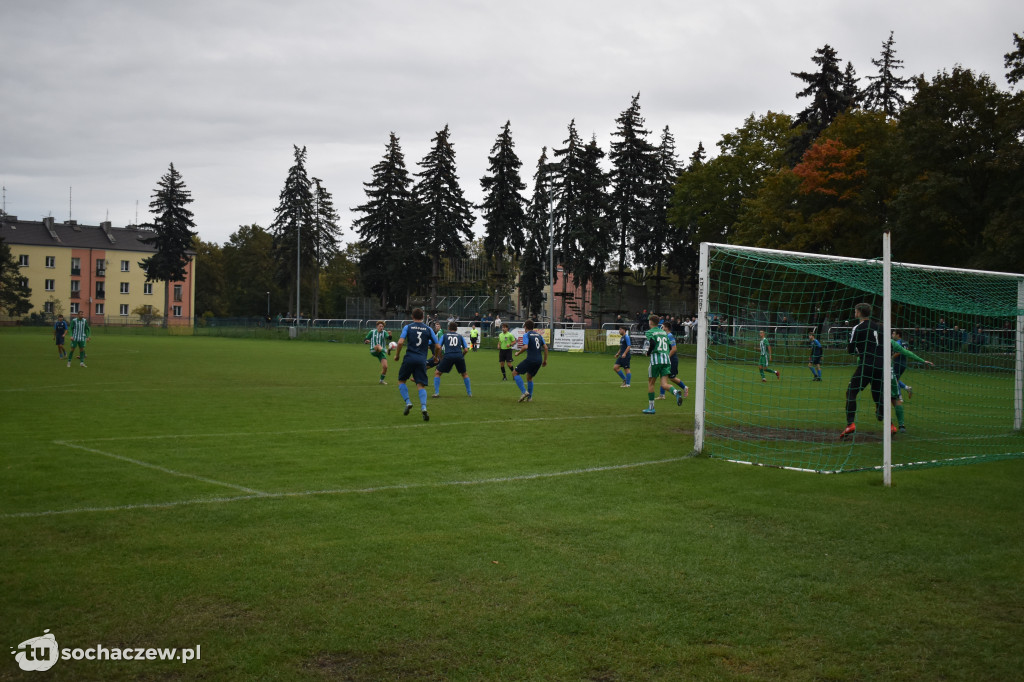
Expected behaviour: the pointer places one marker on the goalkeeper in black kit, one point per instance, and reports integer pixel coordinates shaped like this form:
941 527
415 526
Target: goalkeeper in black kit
866 343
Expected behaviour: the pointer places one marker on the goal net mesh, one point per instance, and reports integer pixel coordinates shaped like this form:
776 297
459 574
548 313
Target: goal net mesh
963 410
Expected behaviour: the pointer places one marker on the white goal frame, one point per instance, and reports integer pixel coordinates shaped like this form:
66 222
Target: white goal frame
704 318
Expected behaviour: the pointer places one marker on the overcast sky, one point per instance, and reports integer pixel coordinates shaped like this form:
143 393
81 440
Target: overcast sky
102 95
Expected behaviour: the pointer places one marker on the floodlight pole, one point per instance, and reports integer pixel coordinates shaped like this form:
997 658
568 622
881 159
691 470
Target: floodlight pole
298 273
268 305
551 259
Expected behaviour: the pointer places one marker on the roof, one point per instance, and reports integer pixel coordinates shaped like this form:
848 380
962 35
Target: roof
72 235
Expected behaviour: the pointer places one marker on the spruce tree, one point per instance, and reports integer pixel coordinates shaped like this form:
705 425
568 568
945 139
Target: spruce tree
634 162
883 93
591 235
391 261
652 243
443 220
533 266
325 236
293 228
569 179
831 93
504 207
1014 61
14 294
174 230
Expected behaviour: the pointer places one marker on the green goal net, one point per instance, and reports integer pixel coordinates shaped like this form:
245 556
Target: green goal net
763 395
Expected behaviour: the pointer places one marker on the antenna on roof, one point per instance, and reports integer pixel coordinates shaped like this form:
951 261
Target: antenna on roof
3 208
136 213
69 202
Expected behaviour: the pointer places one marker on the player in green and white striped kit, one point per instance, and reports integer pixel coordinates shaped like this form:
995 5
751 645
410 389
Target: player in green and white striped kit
894 384
658 349
766 357
80 333
378 339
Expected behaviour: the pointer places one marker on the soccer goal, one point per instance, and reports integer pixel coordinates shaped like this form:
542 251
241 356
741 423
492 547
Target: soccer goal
969 323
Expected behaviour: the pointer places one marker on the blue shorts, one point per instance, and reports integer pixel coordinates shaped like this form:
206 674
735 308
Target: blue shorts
624 361
530 367
416 368
449 361
60 340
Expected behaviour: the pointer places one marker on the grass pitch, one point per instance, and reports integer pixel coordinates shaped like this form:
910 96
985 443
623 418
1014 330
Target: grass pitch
268 501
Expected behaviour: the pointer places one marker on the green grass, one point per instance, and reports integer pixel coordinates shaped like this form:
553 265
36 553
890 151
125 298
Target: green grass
268 501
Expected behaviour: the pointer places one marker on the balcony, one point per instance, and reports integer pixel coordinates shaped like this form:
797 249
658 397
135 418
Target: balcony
76 272
101 294
101 272
76 294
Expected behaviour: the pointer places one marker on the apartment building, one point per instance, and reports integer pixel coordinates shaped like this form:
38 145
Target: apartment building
72 267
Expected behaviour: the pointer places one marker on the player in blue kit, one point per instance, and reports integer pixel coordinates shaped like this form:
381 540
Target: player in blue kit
454 345
421 341
536 357
60 328
622 358
815 362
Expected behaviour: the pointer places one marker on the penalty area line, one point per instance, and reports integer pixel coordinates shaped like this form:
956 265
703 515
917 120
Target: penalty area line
346 429
156 467
350 491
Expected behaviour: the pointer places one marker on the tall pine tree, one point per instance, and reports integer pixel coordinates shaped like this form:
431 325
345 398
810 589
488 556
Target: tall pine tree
325 236
172 222
568 186
294 229
634 162
443 220
883 93
831 91
15 295
533 268
504 207
652 243
391 262
591 235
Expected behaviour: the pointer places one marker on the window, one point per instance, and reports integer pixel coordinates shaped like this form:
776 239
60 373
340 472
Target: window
74 285
99 308
74 308
124 266
48 307
49 285
101 267
101 290
124 310
177 310
24 282
76 266
124 287
177 292
51 261
147 288
23 260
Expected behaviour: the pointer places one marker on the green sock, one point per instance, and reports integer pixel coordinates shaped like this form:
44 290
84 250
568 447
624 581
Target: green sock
761 370
898 409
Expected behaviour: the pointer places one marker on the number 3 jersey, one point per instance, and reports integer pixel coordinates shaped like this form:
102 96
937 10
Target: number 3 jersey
419 340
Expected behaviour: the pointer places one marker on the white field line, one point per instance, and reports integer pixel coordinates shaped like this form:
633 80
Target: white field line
347 491
344 429
156 467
